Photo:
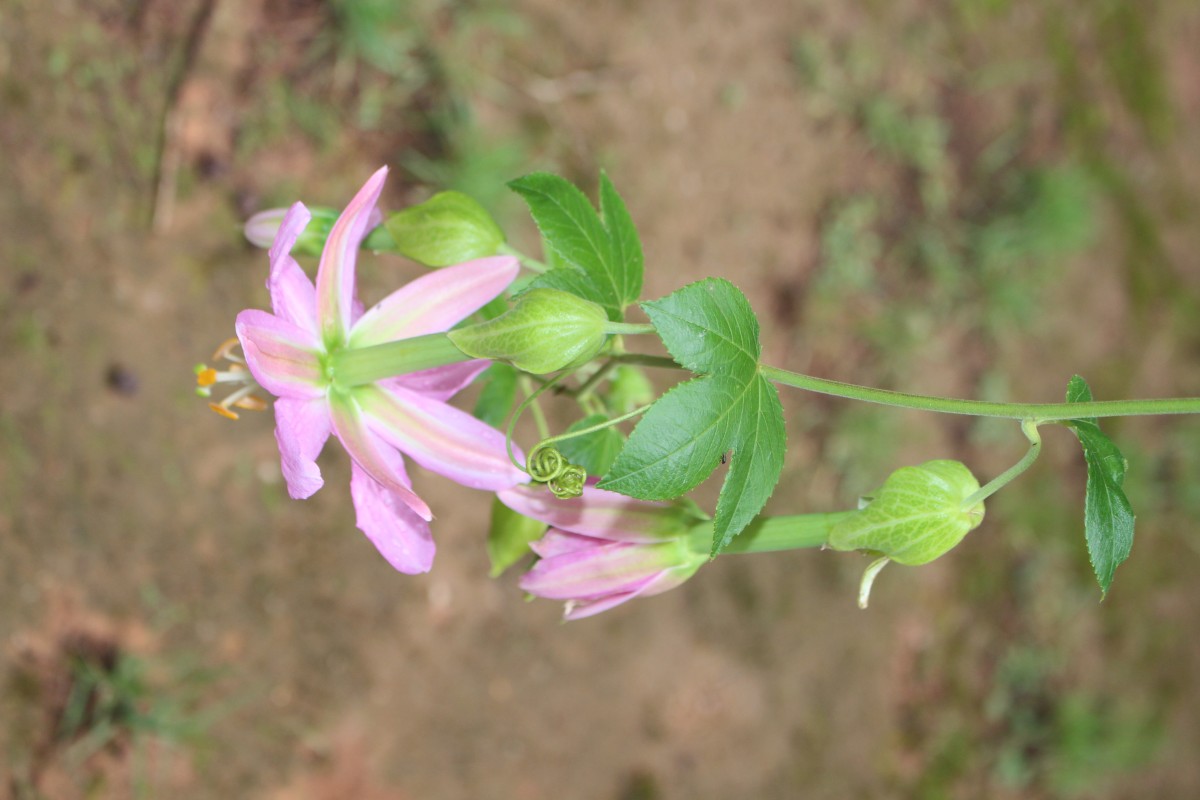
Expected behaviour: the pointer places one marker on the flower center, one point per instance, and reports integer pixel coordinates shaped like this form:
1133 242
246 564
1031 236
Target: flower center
237 375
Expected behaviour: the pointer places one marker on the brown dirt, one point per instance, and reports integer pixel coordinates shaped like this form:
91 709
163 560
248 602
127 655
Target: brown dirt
338 677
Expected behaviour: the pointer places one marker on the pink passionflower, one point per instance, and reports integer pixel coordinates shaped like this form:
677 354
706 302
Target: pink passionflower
290 354
603 548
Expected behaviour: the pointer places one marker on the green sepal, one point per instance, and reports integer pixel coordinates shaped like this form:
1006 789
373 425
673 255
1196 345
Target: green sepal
448 228
509 536
1107 513
546 330
916 516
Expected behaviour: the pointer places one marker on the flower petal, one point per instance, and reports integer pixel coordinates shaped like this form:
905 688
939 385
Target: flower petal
581 609
371 453
555 542
292 294
282 356
335 275
593 572
301 428
439 383
598 513
439 437
400 535
435 301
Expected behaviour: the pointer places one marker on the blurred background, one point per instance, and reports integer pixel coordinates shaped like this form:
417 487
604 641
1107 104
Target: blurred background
969 197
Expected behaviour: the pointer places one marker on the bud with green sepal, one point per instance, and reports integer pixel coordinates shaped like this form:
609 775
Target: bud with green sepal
546 330
448 228
919 514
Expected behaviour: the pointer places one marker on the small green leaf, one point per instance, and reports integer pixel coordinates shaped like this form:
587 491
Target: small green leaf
448 228
1108 516
626 244
573 230
509 536
916 516
499 393
593 451
708 327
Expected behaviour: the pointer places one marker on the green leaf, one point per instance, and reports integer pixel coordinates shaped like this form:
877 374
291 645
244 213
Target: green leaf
1108 516
595 451
916 516
448 228
574 231
498 394
708 327
682 438
626 244
509 536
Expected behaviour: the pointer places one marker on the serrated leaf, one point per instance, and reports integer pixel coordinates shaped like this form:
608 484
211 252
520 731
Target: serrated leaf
595 451
626 244
916 516
569 279
573 230
682 438
509 536
1107 514
708 327
499 392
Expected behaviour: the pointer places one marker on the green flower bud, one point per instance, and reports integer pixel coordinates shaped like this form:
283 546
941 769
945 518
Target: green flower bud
261 228
448 228
916 516
545 331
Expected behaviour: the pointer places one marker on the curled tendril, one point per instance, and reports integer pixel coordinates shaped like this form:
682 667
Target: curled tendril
545 463
569 483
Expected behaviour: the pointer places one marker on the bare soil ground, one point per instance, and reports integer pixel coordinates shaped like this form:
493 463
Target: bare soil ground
148 546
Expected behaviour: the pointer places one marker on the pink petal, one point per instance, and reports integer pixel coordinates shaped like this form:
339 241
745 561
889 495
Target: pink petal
282 356
435 301
592 572
556 543
301 428
371 453
440 438
335 275
292 294
581 609
439 383
400 535
598 513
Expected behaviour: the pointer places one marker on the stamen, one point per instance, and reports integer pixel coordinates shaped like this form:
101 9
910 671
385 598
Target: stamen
242 397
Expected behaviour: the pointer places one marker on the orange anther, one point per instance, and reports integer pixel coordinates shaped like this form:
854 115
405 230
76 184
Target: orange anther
226 348
252 403
206 377
223 411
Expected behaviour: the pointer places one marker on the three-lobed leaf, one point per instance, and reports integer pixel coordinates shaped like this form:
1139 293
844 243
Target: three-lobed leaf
731 410
1108 516
605 254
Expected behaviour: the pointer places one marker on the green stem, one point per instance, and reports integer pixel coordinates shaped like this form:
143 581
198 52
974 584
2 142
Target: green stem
773 534
527 262
1037 412
355 366
628 327
1029 428
643 360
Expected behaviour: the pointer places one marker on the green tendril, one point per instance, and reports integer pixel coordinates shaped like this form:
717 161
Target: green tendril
512 422
545 463
568 483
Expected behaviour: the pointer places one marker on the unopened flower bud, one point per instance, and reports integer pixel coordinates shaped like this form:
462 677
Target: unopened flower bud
545 331
261 228
448 228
